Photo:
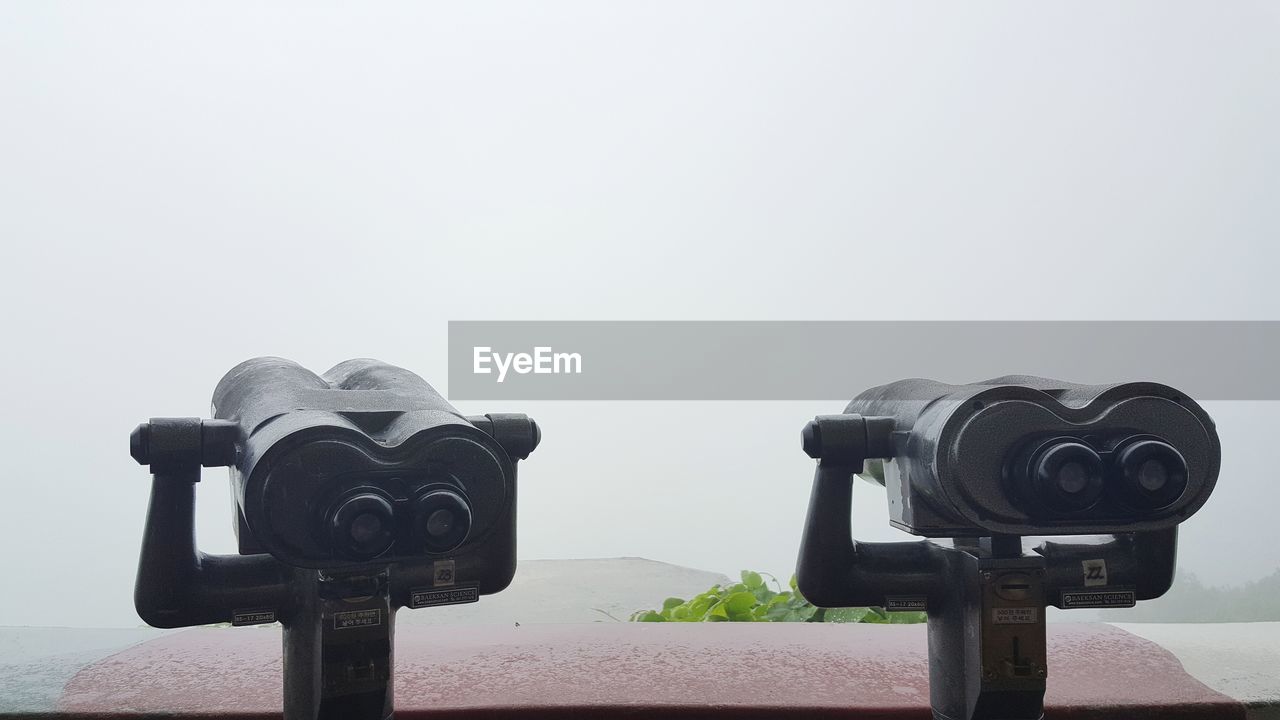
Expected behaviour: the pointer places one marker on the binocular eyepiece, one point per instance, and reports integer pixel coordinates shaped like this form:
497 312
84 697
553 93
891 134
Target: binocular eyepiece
1065 475
363 526
1023 455
367 462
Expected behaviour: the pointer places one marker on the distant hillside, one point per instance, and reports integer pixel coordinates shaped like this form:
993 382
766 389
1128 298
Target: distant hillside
1190 600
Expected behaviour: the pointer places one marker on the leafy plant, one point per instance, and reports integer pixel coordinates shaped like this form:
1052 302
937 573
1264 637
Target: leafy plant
752 600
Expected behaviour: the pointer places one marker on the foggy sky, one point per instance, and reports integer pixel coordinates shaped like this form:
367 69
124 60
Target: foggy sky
184 186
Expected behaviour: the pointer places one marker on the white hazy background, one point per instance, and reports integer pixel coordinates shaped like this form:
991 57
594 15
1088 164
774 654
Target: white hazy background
184 186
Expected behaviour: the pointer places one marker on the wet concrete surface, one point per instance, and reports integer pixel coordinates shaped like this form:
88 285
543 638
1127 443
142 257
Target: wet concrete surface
1097 672
35 663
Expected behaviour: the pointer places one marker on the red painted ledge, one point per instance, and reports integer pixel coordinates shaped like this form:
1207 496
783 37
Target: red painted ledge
640 670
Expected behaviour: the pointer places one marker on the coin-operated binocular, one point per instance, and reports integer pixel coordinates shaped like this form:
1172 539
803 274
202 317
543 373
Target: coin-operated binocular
357 493
986 465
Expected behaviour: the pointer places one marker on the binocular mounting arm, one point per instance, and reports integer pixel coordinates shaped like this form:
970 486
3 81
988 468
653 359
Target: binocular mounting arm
1143 562
177 585
834 570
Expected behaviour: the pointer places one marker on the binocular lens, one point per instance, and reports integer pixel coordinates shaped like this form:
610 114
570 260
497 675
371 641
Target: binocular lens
445 520
1067 476
1072 478
1153 474
440 523
366 528
362 527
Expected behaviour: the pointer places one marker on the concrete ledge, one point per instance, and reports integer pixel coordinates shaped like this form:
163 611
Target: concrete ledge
515 652
638 670
1240 660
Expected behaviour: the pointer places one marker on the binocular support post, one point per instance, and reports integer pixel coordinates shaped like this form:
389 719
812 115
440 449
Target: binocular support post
985 597
338 627
338 647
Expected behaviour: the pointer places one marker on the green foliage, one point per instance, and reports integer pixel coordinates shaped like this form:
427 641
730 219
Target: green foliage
752 600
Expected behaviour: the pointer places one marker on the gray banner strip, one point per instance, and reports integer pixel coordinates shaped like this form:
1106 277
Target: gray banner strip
835 360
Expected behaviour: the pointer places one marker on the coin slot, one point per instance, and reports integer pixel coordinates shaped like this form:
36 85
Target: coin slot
1014 586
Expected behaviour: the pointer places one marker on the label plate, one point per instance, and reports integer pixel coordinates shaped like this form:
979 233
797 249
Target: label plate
424 597
1072 599
443 573
256 616
1095 572
915 603
357 619
1015 615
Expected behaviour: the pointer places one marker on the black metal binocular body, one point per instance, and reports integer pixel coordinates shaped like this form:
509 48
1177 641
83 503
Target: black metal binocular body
1030 456
368 462
986 465
357 493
